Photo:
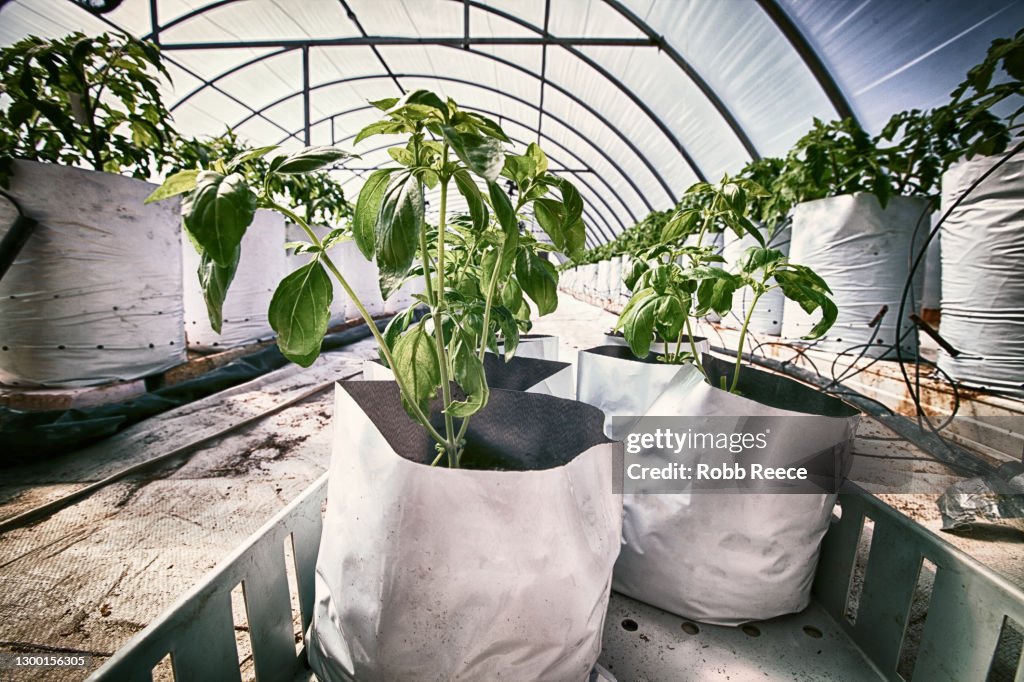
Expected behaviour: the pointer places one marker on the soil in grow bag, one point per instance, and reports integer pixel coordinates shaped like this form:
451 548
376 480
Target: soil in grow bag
515 432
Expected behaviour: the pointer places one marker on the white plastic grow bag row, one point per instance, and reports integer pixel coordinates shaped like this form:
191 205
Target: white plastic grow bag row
863 253
95 294
436 574
983 275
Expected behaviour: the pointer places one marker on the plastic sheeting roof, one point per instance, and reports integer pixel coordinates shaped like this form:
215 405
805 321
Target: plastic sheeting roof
634 99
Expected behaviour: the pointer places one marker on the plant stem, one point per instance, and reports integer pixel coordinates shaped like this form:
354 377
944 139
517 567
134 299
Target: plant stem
385 351
491 289
743 336
442 356
693 349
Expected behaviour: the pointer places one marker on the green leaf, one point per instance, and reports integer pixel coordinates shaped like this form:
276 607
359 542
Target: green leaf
215 280
398 229
539 280
489 127
506 215
540 159
550 215
512 295
682 224
670 316
249 155
469 375
334 237
395 328
401 155
416 367
218 212
179 183
364 221
638 324
474 199
311 159
489 262
483 155
385 104
384 127
800 284
299 312
509 327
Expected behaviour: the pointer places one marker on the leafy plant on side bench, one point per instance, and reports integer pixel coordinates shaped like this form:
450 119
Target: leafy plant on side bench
669 292
85 101
444 145
319 196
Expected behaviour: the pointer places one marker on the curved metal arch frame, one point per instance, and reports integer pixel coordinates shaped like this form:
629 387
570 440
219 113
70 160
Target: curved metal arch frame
776 13
491 89
611 78
572 97
584 181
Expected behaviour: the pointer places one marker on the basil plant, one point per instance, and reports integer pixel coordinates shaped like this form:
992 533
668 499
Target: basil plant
673 283
475 268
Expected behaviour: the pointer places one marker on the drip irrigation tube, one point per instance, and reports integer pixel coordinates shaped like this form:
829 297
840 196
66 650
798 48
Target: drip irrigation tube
930 442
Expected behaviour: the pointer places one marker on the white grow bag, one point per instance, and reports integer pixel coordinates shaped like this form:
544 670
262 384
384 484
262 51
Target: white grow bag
983 275
436 574
262 266
658 347
362 275
95 294
863 253
717 558
767 316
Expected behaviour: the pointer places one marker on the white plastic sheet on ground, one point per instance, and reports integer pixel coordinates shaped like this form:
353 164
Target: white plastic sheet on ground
982 278
863 253
436 574
262 266
95 294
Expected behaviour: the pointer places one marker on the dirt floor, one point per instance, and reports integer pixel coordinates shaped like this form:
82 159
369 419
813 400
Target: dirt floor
89 577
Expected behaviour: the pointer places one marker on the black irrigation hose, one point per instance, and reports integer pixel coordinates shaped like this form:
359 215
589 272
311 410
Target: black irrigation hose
932 443
46 510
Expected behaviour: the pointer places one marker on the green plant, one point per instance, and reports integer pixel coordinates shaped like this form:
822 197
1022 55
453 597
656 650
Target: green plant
85 101
320 197
468 281
915 147
667 292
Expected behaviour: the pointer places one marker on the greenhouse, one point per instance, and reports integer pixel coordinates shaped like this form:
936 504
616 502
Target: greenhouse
527 340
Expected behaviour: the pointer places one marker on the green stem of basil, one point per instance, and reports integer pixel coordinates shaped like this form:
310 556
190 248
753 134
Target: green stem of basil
439 304
492 287
693 349
739 347
371 325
